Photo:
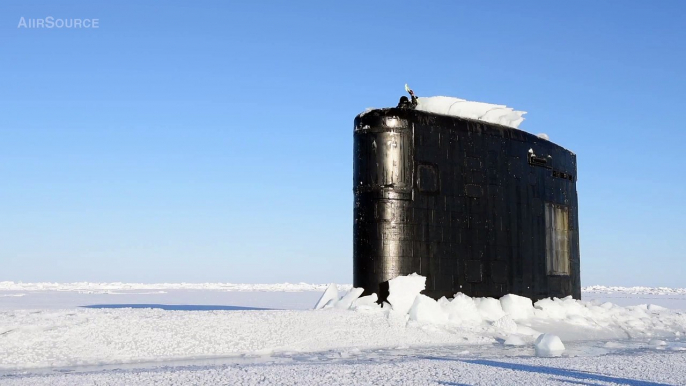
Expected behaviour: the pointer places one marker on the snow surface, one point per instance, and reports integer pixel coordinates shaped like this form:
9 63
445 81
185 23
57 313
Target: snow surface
87 287
183 336
514 340
169 299
392 367
487 112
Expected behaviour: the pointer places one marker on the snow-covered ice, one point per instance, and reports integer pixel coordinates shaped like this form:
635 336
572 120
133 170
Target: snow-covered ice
427 310
365 303
347 300
506 325
514 340
461 309
489 309
518 307
116 287
390 367
329 295
202 336
402 291
635 290
487 112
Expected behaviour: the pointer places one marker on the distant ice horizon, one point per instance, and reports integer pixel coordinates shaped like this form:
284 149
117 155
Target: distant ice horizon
104 287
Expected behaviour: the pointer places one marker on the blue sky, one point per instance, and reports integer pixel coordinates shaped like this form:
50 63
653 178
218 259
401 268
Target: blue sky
212 141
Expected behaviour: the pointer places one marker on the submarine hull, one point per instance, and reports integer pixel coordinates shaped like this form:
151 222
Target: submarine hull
477 208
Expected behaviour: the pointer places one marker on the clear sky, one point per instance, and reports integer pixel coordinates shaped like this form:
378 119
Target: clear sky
212 141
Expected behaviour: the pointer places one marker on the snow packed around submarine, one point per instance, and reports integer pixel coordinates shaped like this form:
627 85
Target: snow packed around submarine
515 320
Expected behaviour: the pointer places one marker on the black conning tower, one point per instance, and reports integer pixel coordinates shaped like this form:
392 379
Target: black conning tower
475 207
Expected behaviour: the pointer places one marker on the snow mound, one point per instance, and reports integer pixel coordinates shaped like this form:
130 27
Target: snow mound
549 345
559 309
518 307
567 318
461 309
506 324
487 112
489 308
425 309
403 290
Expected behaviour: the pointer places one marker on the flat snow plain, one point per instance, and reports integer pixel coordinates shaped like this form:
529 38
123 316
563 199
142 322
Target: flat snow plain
127 334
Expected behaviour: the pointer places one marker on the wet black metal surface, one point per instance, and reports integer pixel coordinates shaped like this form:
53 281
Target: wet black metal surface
460 202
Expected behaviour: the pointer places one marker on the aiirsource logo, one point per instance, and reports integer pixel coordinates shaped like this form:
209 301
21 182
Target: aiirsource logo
52 22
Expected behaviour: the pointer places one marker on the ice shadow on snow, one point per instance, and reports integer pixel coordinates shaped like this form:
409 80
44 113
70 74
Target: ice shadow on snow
584 377
179 307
